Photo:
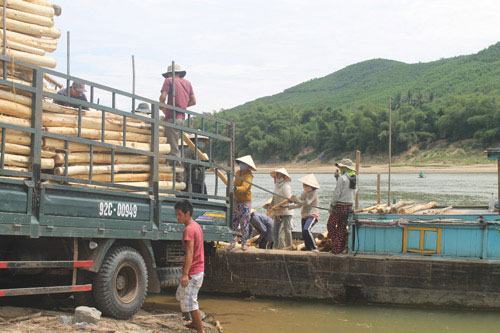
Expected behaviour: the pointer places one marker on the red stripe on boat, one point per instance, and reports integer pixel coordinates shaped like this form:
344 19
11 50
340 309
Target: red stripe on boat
2 293
4 264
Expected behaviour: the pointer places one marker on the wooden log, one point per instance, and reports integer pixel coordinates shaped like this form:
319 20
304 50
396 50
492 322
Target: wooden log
94 134
14 109
48 45
165 185
26 48
15 98
33 59
28 7
42 3
17 137
58 120
24 161
126 177
366 209
34 30
395 208
402 209
31 18
101 158
14 168
416 208
16 149
80 147
106 169
15 121
201 155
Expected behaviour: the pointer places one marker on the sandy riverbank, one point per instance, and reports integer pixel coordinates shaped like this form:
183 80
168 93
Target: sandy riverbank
383 168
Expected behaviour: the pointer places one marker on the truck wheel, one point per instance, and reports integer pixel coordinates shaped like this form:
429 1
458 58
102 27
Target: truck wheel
121 284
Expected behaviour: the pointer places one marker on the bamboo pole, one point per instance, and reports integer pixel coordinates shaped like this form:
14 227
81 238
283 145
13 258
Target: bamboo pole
106 169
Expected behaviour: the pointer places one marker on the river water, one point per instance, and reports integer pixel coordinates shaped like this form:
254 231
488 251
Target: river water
266 316
238 315
462 189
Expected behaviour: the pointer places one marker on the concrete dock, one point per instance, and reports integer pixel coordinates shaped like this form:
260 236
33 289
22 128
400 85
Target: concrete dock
347 278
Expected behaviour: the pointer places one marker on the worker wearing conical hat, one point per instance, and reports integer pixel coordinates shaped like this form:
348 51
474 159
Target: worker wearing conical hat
341 205
308 201
282 215
243 198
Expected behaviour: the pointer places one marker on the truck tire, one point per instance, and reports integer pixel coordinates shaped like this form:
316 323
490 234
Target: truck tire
121 284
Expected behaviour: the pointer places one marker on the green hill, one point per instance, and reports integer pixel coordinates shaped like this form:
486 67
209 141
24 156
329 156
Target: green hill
452 99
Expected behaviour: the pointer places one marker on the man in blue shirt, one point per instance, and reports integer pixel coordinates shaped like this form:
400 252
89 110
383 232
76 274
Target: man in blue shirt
264 226
76 90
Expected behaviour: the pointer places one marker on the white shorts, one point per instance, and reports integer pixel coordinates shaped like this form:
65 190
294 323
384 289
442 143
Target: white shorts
188 296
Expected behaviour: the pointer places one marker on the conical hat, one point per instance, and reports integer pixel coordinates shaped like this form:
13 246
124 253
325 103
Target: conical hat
310 180
268 203
247 159
283 171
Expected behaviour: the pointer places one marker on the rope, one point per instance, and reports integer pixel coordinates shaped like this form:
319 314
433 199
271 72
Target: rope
273 193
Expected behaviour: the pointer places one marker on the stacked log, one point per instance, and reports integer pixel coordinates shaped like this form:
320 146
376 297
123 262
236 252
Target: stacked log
30 31
401 207
30 35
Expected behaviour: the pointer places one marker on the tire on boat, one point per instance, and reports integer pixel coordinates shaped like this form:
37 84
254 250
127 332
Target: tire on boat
121 284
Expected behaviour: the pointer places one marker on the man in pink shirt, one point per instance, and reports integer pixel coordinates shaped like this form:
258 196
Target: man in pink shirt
184 97
194 264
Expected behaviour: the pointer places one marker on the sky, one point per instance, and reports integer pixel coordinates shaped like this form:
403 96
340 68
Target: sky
235 51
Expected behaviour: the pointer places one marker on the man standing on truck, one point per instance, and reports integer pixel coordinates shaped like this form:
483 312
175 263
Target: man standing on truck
194 264
184 97
76 90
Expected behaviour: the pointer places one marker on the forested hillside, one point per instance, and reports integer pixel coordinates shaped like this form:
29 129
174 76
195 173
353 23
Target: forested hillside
449 99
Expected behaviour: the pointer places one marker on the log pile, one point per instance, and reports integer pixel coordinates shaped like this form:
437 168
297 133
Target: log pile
402 207
30 35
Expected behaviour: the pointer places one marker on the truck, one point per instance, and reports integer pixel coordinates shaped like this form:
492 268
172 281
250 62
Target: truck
106 242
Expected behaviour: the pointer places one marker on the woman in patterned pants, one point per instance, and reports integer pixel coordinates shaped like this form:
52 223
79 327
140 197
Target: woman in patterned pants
343 198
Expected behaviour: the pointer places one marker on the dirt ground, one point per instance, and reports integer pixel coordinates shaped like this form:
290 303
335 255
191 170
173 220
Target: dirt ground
151 320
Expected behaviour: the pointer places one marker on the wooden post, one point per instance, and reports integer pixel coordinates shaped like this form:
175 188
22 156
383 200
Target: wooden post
498 180
390 153
358 162
378 188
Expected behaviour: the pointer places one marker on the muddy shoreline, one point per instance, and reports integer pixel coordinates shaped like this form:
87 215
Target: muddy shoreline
153 318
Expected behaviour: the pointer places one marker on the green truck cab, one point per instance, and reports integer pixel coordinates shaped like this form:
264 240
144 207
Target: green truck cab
110 244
